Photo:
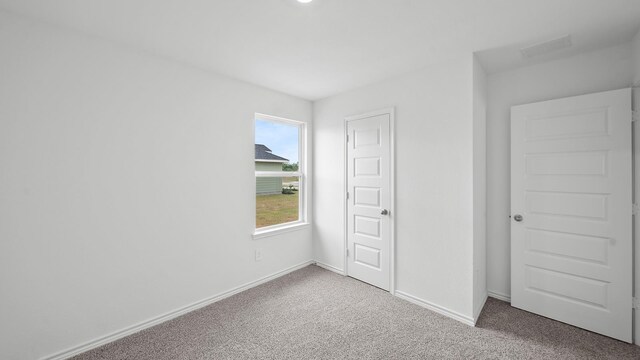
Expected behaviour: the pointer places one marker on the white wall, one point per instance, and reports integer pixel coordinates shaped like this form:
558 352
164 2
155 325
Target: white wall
434 180
601 70
126 188
479 188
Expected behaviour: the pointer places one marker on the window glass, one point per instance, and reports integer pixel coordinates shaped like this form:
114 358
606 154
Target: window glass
279 172
277 200
280 141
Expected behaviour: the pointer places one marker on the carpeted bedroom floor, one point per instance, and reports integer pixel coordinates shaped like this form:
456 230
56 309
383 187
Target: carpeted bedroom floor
315 314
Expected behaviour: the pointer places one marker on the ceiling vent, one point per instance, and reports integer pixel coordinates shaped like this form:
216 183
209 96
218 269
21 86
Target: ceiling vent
546 47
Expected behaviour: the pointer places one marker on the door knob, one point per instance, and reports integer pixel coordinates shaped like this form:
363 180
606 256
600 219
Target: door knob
384 212
517 217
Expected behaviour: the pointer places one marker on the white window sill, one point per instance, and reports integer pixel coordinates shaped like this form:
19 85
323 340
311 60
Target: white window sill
260 234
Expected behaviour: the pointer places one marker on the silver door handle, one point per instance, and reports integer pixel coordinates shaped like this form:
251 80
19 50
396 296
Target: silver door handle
517 217
384 212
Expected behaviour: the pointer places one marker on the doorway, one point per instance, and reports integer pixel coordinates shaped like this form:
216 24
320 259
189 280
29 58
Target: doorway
369 198
571 211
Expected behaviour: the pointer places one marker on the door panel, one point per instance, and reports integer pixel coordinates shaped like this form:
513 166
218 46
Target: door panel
571 182
368 185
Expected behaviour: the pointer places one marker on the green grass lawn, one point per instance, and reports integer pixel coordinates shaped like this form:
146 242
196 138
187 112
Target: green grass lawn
276 209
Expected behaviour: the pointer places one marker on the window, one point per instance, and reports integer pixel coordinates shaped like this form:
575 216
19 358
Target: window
280 173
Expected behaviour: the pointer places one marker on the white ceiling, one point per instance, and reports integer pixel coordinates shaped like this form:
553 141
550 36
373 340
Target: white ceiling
330 46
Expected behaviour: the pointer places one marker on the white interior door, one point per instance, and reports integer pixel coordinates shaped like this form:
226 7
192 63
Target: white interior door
369 199
571 208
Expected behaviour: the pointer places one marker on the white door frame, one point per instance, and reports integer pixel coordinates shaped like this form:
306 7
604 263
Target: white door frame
392 192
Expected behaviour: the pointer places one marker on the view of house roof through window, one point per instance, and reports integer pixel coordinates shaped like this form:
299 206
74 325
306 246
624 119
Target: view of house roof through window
264 153
278 138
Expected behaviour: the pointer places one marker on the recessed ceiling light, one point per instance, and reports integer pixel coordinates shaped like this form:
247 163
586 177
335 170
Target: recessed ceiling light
304 1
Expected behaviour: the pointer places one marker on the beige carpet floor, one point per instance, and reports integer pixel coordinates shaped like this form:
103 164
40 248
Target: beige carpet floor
316 314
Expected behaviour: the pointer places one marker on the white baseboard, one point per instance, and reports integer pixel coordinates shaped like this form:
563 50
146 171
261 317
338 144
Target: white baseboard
436 308
92 344
331 268
478 310
499 296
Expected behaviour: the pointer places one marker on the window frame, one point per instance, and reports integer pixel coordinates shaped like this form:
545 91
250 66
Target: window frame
272 230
